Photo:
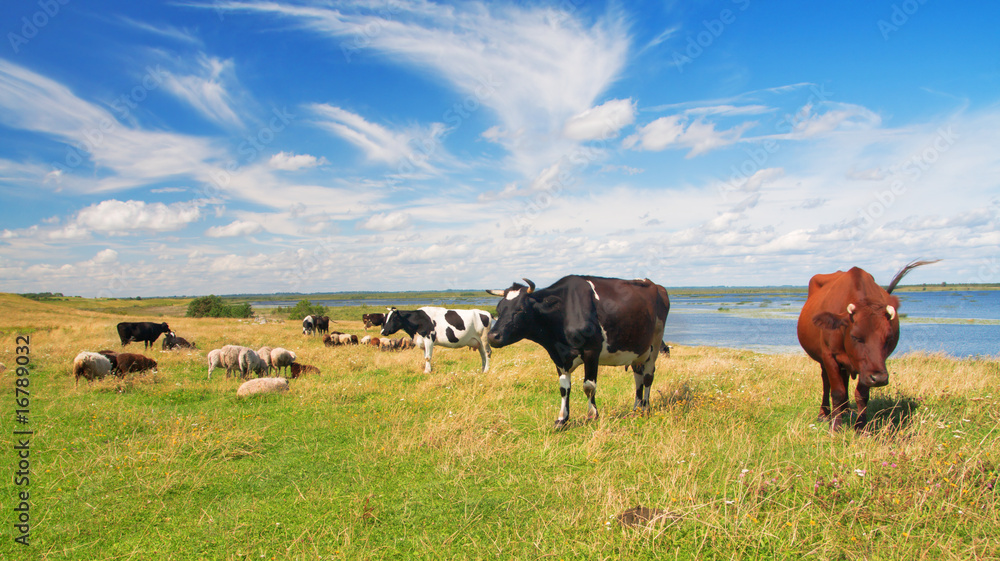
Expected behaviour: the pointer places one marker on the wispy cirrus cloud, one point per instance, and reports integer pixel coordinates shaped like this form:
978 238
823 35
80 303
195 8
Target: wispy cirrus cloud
379 143
532 67
208 88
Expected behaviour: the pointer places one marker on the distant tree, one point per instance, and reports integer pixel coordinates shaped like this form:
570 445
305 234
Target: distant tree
306 308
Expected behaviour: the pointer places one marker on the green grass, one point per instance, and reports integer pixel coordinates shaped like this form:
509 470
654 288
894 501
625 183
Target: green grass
373 459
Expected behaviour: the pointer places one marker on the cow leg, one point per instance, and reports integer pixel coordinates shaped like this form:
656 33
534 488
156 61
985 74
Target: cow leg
861 394
837 378
564 387
643 374
590 368
824 406
484 352
428 349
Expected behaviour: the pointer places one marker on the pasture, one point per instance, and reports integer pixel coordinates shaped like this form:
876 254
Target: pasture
373 459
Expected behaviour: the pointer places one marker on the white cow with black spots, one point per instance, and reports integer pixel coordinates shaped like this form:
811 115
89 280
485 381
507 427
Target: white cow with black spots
431 326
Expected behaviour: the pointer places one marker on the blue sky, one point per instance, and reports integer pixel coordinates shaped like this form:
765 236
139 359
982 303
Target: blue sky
189 148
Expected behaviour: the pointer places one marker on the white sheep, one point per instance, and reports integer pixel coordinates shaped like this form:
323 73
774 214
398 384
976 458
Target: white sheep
262 385
90 366
281 358
214 361
366 339
231 358
250 362
265 354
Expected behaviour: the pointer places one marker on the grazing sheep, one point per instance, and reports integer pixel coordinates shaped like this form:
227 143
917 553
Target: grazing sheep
171 341
366 339
214 361
132 362
265 354
250 362
375 342
91 366
262 385
231 358
281 358
302 369
347 339
113 357
331 340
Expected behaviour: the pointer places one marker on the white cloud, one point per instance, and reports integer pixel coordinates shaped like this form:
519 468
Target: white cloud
533 67
126 157
114 216
209 90
601 122
106 256
234 229
409 149
676 131
388 221
289 161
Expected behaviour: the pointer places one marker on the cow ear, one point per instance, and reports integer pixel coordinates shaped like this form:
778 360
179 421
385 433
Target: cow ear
829 320
549 305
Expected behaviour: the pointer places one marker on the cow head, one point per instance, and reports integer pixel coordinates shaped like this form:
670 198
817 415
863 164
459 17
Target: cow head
517 313
393 322
870 333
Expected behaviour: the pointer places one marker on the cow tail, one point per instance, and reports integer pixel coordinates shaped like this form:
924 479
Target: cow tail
902 272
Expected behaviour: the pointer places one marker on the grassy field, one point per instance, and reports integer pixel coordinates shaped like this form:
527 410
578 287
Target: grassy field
373 459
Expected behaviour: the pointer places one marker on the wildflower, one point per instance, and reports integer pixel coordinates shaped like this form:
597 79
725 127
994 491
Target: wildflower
860 472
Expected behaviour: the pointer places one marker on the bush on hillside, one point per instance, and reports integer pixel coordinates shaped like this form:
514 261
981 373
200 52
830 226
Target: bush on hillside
214 307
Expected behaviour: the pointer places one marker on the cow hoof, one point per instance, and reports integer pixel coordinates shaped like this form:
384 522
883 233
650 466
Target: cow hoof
560 424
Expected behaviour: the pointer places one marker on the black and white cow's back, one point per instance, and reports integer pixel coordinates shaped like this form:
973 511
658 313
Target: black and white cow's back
431 326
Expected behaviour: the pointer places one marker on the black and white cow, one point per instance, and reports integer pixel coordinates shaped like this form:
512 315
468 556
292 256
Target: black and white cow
431 326
589 321
308 325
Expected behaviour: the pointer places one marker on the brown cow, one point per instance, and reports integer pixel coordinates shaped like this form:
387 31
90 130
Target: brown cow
372 320
850 325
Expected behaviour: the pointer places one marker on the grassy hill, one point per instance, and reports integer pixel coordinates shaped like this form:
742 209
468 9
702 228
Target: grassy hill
374 459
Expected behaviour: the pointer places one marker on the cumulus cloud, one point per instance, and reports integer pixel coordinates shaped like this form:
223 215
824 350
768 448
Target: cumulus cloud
388 221
234 229
106 256
114 216
601 122
677 131
288 161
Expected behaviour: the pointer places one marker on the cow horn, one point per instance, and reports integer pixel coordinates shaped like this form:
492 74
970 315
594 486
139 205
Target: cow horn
850 309
891 311
531 285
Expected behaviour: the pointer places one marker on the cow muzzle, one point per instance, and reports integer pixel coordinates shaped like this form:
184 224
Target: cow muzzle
493 340
877 379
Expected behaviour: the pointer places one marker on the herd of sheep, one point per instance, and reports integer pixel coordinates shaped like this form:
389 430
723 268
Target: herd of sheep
234 358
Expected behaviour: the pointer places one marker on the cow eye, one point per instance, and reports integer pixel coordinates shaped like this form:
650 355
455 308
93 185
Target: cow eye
857 340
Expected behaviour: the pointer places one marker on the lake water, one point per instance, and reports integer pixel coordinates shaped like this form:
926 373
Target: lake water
958 323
